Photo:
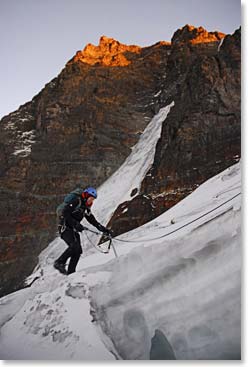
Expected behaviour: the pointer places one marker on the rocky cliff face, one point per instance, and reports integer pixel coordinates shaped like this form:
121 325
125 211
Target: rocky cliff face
201 135
81 126
77 131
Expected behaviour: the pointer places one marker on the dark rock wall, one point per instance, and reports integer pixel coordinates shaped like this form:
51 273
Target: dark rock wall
77 131
202 133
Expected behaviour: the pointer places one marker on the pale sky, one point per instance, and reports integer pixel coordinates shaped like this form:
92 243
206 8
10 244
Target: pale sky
38 37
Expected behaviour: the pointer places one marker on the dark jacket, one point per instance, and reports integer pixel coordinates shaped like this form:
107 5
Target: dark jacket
75 211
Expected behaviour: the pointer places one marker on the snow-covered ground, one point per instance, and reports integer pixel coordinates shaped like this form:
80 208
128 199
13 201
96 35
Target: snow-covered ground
186 285
170 294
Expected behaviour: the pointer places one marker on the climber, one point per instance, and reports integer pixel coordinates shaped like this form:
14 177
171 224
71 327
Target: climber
75 207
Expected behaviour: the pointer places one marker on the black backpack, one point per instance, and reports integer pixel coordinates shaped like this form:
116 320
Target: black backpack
77 193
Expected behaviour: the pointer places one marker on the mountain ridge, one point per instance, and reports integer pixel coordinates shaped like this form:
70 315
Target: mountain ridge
110 52
83 124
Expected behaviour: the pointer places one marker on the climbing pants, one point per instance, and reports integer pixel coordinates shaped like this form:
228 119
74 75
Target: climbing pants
73 251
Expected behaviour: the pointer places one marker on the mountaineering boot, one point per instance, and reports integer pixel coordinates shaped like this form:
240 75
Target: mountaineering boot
60 267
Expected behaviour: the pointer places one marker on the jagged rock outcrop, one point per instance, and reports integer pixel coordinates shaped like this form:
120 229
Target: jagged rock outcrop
109 52
190 35
76 131
201 135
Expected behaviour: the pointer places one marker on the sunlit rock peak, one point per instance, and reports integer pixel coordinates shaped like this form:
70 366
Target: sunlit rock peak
192 35
109 52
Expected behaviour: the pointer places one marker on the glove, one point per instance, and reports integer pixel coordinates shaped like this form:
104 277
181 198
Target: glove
107 231
61 228
78 227
103 229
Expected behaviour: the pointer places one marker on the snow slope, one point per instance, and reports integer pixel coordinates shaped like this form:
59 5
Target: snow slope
173 296
186 285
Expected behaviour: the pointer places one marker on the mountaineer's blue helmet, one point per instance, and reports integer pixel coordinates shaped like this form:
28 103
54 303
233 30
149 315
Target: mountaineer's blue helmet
91 191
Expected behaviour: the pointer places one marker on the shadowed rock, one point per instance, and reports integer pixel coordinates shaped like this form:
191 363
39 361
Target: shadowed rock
161 348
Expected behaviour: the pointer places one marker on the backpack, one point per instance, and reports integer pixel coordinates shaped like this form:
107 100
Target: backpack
77 193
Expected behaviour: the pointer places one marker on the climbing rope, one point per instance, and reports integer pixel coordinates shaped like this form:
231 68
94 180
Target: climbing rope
159 237
183 226
224 192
